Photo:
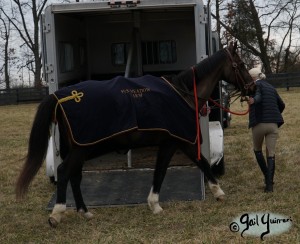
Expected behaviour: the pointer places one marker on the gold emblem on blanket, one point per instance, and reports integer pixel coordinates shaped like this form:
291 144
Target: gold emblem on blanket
75 95
135 93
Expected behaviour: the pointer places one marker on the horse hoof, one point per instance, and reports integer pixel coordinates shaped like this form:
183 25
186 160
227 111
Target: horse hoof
88 215
221 198
52 222
157 210
54 219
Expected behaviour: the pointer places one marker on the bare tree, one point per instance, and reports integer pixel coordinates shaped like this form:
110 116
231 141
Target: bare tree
218 4
4 35
287 56
25 19
256 23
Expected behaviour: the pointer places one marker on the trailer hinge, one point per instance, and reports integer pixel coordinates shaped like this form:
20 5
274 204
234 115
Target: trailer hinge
203 18
46 28
121 3
48 68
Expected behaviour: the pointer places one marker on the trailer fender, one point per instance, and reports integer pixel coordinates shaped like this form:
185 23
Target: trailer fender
50 159
216 138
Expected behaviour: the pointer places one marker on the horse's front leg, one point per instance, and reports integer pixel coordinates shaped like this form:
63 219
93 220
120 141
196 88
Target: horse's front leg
212 182
164 155
206 169
216 191
153 202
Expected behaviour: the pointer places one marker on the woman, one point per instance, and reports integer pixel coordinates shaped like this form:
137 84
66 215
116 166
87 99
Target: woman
265 118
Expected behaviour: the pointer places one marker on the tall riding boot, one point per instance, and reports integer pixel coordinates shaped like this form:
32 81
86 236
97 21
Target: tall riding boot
270 174
261 162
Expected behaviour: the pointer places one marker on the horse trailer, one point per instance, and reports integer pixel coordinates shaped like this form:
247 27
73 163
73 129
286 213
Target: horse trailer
102 39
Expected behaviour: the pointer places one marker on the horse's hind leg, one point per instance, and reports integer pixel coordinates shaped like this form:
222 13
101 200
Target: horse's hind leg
61 189
164 155
64 172
75 181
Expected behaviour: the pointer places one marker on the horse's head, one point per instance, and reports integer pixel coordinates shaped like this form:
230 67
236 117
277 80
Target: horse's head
236 72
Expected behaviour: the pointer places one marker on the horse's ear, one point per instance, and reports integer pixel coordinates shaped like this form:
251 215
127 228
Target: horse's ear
235 46
232 47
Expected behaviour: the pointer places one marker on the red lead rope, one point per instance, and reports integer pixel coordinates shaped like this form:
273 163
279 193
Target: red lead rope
227 110
197 117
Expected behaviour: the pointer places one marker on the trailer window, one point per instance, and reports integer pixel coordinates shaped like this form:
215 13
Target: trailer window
159 52
153 52
66 58
119 53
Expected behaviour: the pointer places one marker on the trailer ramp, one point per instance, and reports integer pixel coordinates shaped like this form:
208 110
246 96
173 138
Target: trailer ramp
132 186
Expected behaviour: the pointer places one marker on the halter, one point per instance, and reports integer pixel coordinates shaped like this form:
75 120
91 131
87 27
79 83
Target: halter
196 98
238 76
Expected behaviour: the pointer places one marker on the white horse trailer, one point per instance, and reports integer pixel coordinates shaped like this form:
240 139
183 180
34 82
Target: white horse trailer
102 39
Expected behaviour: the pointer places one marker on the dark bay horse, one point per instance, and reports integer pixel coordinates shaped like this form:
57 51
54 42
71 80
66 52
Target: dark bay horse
223 65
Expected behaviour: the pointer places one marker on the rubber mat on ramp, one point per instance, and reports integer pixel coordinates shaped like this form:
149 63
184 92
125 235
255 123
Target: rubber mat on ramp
132 186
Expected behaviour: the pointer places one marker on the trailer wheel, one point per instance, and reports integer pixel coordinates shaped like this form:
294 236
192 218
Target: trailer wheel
226 119
52 180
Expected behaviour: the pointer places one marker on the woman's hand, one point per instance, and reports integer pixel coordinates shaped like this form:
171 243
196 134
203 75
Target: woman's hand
251 100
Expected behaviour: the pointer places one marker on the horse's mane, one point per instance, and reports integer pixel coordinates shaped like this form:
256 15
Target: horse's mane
209 64
202 69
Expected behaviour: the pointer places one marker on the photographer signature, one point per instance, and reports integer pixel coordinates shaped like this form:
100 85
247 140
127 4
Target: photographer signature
261 224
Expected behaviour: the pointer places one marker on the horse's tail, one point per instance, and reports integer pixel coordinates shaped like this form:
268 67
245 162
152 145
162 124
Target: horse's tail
38 144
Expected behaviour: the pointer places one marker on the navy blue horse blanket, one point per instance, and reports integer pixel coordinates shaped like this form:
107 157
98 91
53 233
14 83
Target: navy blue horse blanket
98 110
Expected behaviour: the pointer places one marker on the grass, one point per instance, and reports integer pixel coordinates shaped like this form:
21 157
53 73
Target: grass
182 222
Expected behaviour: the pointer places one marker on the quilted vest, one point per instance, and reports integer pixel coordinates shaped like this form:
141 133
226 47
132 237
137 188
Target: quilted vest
269 109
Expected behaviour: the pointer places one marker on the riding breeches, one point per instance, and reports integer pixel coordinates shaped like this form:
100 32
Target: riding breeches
267 131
